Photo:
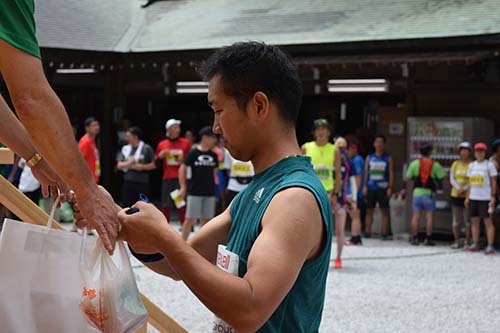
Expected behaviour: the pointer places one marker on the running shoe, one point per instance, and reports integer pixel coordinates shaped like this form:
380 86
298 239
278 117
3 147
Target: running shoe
366 235
414 240
472 248
337 264
456 245
489 249
428 241
354 241
385 237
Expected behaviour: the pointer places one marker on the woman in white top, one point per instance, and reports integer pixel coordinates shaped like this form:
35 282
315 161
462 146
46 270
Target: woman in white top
480 197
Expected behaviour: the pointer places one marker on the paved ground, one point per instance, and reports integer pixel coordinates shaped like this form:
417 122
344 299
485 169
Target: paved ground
383 287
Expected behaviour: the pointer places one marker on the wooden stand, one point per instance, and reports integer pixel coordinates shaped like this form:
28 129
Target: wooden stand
27 211
6 156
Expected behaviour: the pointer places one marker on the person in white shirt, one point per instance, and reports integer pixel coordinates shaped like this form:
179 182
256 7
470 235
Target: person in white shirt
480 197
240 175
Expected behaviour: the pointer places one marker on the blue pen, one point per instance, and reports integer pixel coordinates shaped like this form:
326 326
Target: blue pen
133 210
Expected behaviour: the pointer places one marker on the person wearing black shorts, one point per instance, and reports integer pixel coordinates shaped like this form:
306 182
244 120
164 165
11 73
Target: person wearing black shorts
480 197
379 177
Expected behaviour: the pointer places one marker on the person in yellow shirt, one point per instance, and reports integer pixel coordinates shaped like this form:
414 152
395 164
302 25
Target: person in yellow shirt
322 153
458 181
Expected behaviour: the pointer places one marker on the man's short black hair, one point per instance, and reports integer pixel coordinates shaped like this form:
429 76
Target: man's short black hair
135 131
426 150
248 67
379 136
89 121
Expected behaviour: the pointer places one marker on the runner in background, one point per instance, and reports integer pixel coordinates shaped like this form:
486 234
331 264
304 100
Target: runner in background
427 176
172 151
379 177
197 178
240 175
88 147
480 197
135 159
355 214
346 195
322 153
459 185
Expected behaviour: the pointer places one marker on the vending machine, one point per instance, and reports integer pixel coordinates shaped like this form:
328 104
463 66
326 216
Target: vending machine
445 134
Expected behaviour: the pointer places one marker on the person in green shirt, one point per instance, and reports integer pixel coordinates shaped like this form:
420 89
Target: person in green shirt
260 266
427 176
43 133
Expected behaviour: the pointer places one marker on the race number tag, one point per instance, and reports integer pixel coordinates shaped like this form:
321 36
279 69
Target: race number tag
323 171
174 157
228 262
477 180
241 169
377 170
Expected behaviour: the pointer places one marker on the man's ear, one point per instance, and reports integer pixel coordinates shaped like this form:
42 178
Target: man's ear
261 104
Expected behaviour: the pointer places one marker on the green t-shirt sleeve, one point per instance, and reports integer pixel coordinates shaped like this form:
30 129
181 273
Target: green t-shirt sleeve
17 25
438 171
412 171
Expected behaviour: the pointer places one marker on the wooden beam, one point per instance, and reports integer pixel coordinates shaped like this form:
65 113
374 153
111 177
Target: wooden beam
6 156
159 319
29 212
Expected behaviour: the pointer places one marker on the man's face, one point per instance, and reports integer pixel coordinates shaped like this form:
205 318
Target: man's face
379 144
174 131
93 129
131 138
211 141
322 133
230 121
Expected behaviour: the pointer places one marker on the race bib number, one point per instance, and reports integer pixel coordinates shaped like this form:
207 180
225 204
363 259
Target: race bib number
476 180
241 170
174 157
228 262
322 171
377 170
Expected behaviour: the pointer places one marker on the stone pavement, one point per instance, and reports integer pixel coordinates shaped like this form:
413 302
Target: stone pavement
383 287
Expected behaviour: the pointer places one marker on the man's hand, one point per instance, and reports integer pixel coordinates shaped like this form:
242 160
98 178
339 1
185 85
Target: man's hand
182 193
142 228
100 211
51 182
389 192
365 191
461 191
163 153
467 203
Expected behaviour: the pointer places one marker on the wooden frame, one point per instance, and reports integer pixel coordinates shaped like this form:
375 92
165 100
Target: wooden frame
28 212
6 156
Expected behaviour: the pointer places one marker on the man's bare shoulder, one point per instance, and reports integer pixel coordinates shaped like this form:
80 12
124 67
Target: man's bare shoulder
295 210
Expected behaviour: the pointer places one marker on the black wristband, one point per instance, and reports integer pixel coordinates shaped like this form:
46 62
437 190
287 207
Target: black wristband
146 257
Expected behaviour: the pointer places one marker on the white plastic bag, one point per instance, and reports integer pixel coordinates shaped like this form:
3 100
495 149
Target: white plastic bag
40 283
110 299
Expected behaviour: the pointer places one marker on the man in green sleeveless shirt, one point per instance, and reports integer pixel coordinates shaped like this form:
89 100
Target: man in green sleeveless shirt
44 120
262 264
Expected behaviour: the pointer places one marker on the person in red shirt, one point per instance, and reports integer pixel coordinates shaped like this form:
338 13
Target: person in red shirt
172 152
88 147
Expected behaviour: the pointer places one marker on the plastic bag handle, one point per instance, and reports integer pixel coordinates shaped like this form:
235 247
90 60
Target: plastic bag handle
53 212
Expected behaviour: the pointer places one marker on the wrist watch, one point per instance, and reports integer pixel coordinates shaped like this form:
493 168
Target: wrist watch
34 160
